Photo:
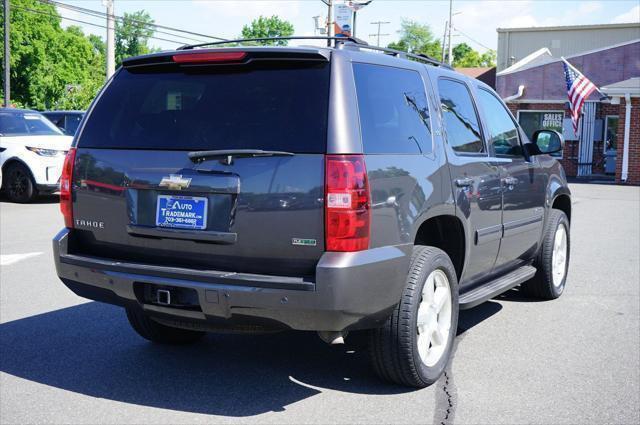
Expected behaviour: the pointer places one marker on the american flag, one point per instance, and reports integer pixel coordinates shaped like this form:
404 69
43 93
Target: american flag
579 88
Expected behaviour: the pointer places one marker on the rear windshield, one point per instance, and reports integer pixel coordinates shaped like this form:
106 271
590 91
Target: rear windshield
259 107
26 124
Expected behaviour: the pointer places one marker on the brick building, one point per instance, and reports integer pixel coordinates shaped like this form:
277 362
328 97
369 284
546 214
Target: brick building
625 102
604 146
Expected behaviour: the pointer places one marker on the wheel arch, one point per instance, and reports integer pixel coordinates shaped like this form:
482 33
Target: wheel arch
15 160
558 195
562 202
437 231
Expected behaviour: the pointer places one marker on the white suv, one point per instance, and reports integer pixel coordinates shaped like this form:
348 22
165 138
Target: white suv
32 151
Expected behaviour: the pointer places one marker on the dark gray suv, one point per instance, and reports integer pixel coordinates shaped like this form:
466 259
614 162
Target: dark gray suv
256 189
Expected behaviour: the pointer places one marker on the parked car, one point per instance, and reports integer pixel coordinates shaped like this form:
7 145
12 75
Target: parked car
32 151
67 121
326 189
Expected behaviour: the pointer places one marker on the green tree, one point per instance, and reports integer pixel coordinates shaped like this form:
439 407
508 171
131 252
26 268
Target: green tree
268 27
79 96
461 51
417 38
132 35
488 58
46 60
465 57
83 68
99 45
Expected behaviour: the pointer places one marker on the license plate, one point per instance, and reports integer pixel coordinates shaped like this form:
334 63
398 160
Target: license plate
182 212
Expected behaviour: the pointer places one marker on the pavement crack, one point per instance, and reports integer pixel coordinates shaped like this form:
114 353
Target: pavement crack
447 393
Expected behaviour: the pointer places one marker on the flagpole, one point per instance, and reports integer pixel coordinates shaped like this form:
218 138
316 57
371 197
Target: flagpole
576 70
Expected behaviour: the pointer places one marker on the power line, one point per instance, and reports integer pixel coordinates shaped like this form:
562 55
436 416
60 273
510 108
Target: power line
100 14
85 22
475 41
103 15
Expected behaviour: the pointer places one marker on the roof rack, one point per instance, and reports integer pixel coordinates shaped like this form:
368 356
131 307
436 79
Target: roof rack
352 42
417 57
241 40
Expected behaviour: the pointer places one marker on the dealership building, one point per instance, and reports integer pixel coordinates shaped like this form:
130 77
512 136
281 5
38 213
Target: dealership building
530 78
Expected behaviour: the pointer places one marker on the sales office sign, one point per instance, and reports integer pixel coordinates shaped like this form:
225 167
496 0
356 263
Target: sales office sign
553 121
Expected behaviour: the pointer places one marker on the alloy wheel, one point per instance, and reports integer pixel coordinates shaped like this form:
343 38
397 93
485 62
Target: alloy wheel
434 318
559 256
18 184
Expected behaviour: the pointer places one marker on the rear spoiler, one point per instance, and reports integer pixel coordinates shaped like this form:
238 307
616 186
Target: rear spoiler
227 56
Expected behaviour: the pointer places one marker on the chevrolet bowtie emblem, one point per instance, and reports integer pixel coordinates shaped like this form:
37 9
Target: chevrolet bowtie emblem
175 182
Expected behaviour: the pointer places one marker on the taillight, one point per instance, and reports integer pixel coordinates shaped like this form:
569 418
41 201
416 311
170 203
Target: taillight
66 181
206 57
347 203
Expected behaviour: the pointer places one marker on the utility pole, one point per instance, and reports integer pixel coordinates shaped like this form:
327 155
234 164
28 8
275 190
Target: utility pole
378 35
7 48
444 39
330 26
353 30
450 25
111 48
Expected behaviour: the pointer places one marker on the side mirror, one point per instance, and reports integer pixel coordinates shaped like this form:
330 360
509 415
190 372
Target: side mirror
546 142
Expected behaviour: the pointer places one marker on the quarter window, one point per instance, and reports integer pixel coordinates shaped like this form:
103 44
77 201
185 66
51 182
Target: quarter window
503 133
460 118
394 114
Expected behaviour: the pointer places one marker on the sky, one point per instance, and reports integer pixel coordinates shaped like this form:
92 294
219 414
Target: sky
475 21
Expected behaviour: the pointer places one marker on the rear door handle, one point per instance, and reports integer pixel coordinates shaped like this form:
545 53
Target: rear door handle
464 182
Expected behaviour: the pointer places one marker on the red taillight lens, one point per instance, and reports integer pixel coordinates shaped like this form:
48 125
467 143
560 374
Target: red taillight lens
346 203
66 182
205 57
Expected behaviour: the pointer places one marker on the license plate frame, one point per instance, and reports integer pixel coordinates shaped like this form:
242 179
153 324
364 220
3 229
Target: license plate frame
182 212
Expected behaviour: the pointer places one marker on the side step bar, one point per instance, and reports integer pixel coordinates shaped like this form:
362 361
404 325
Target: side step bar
496 287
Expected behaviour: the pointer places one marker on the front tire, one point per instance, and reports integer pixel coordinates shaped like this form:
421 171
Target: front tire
553 259
414 345
149 329
18 183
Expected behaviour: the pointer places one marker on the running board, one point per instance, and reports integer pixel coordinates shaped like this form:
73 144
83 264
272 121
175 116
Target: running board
496 287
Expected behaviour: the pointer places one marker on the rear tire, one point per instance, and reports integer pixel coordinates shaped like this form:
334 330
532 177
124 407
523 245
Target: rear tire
412 348
156 332
18 183
553 259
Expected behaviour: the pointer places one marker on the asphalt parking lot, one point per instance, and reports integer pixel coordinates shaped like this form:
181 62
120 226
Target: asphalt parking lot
574 360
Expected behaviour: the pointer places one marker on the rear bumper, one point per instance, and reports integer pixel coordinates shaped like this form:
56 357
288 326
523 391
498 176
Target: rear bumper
48 188
349 291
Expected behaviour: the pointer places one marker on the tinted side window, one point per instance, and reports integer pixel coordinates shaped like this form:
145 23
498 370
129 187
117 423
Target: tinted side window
394 115
503 132
58 120
72 123
460 118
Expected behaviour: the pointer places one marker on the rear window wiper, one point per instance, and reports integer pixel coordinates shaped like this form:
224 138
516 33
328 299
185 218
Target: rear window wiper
226 156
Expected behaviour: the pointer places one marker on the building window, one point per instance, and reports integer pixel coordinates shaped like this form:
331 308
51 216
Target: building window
611 132
531 121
